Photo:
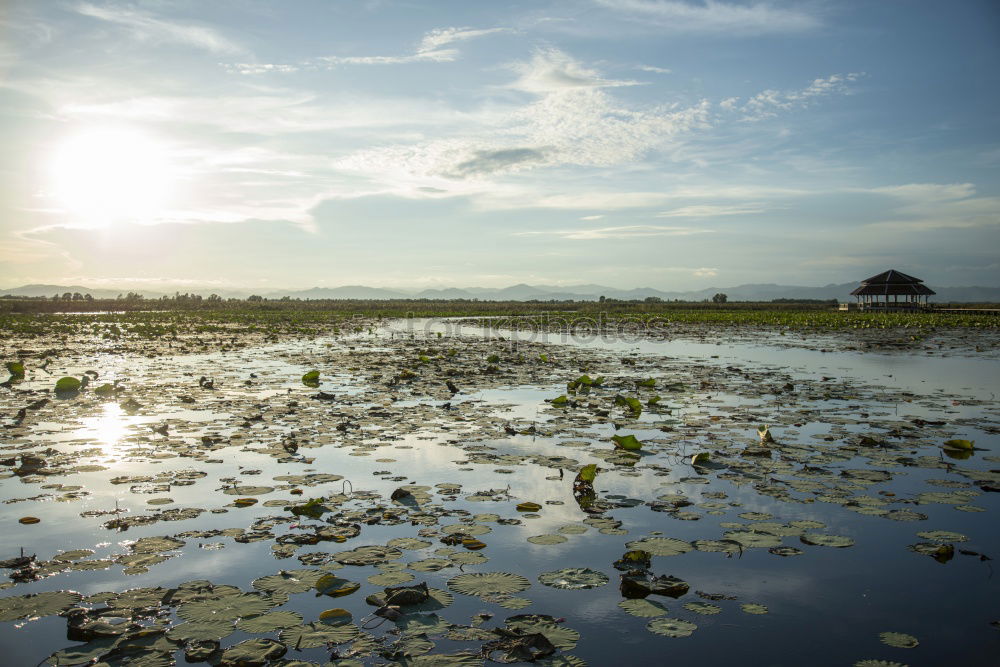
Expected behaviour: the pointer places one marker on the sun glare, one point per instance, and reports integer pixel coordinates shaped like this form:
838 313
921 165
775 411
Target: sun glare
111 175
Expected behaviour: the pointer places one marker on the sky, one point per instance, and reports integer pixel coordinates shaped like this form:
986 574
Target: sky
674 144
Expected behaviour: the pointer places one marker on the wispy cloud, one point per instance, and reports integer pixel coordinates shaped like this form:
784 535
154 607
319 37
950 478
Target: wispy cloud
716 17
925 206
430 49
551 70
149 28
625 232
654 69
710 211
768 103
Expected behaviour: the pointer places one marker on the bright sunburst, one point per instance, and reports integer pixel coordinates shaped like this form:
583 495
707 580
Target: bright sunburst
109 175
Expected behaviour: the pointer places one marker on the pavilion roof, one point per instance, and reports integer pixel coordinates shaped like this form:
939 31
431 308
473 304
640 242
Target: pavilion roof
892 282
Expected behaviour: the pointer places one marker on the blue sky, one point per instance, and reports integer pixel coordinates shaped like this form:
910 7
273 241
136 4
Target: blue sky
664 143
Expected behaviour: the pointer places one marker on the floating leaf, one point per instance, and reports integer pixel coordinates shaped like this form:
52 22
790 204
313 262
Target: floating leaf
67 385
488 583
528 507
336 617
335 587
643 608
560 400
752 608
898 639
105 389
573 578
703 608
942 536
562 637
660 546
632 404
671 627
201 631
37 604
959 444
818 539
627 442
311 379
227 608
547 539
28 520
701 457
15 368
288 582
269 622
648 383
587 473
252 652
314 635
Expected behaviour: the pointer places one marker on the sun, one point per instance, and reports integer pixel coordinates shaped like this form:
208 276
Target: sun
107 175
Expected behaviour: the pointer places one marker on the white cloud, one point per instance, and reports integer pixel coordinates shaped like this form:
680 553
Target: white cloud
625 232
146 27
551 70
654 69
710 211
768 103
925 206
716 17
439 37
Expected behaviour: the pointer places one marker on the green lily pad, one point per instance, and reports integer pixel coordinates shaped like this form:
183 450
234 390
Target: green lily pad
201 631
671 627
819 539
547 539
227 608
573 578
67 385
37 604
660 546
627 442
753 608
314 635
488 583
288 582
703 608
898 639
943 536
562 637
643 608
252 653
269 622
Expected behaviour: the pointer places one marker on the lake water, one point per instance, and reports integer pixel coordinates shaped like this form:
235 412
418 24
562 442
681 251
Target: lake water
820 531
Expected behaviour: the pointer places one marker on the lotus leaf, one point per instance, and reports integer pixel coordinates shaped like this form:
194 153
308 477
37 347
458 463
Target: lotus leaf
226 608
252 653
201 631
660 546
671 627
643 608
269 622
488 583
562 637
898 639
573 578
314 635
37 604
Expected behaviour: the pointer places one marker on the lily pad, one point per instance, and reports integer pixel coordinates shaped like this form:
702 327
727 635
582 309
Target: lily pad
898 639
573 578
252 653
314 635
488 583
201 631
643 608
37 604
661 546
671 627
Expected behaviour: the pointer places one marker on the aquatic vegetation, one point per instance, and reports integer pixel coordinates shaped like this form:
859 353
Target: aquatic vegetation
399 471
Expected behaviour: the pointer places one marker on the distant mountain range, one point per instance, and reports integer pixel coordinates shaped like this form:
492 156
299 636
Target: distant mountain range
522 292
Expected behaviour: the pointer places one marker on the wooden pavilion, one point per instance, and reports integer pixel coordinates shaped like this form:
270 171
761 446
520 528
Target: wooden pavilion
882 293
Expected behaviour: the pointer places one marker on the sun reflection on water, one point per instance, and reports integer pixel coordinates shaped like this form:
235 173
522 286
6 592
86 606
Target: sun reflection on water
109 428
